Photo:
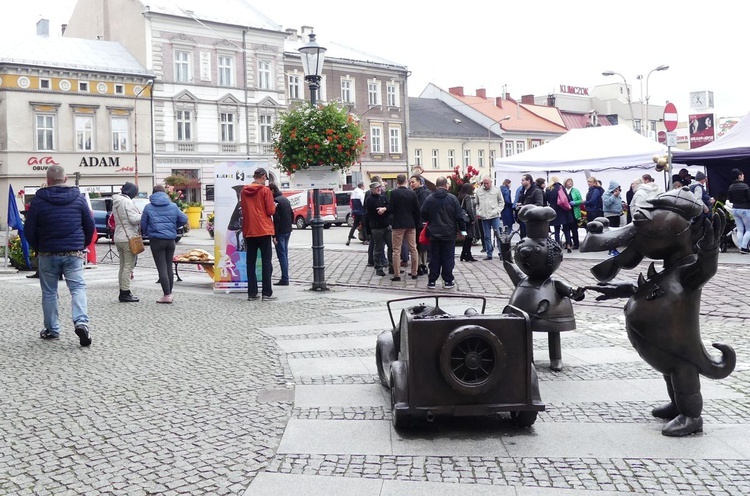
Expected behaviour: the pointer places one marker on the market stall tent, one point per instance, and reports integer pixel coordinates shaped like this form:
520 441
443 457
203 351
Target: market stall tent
608 153
721 156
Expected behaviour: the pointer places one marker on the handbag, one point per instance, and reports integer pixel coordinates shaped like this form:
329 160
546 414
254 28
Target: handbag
562 200
424 238
135 243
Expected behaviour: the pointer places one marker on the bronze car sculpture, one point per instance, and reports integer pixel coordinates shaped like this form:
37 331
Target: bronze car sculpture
663 308
475 364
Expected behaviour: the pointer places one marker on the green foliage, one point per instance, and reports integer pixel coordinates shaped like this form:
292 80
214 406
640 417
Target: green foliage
15 253
325 135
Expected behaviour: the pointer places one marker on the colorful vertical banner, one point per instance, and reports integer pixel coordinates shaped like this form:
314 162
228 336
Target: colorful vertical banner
701 130
230 263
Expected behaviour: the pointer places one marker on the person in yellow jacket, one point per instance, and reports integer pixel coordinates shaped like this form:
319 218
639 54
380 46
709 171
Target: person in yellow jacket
258 206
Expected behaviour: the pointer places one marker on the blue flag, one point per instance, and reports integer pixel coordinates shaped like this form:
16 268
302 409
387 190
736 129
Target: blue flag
15 222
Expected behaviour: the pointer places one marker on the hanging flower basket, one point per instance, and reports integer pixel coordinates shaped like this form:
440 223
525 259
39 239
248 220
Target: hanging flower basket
324 135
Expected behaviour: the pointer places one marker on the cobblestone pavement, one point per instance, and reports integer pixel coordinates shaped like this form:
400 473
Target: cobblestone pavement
193 398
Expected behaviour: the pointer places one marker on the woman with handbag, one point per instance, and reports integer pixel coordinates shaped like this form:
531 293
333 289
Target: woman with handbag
159 222
127 226
466 199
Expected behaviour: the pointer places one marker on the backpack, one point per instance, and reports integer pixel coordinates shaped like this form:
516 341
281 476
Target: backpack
562 199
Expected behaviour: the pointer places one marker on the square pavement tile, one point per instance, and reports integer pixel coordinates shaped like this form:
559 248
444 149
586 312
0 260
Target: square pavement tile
341 395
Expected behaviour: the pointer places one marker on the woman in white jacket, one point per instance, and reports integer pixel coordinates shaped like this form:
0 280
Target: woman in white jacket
127 224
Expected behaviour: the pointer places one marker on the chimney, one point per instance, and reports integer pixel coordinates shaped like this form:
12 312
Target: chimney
456 90
42 27
527 99
63 27
307 30
292 34
499 102
482 93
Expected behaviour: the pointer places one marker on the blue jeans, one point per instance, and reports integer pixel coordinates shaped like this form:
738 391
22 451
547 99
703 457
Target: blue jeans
742 219
50 268
282 253
489 226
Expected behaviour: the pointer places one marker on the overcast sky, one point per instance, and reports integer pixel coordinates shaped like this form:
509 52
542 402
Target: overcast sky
528 46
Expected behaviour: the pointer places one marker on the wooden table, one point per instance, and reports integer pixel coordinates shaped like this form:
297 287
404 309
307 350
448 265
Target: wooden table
207 266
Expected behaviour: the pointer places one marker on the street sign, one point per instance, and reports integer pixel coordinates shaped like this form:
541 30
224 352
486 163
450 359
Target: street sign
670 117
671 139
661 137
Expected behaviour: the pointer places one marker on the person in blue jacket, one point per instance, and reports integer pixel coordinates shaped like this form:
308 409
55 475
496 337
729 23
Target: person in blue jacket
593 203
506 215
59 226
159 222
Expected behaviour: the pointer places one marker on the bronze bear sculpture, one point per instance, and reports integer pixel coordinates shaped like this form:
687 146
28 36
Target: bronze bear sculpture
663 309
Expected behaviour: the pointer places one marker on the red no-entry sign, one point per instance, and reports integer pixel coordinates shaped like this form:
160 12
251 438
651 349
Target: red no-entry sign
670 117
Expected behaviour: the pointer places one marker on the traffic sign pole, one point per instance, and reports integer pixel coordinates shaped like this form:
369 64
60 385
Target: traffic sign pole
670 123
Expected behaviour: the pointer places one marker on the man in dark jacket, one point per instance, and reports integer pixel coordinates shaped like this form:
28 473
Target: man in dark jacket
59 226
418 186
282 224
378 221
442 212
531 195
404 210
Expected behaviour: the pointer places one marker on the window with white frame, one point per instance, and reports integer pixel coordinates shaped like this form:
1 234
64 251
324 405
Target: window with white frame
492 157
520 146
184 125
347 90
418 156
373 93
295 86
119 133
451 158
226 120
508 148
264 75
226 70
376 139
45 131
266 128
182 66
84 132
392 95
467 158
480 158
435 158
394 135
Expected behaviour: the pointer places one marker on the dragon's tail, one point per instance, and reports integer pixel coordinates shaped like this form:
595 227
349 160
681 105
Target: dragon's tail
719 368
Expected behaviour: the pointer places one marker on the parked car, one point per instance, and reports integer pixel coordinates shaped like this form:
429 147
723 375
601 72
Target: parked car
102 208
303 208
343 208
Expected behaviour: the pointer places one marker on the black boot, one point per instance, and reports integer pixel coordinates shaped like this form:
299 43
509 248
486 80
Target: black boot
127 297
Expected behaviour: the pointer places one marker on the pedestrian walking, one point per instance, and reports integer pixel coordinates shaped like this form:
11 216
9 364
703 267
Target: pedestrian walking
282 226
159 222
417 184
258 207
59 226
357 205
127 224
443 213
739 195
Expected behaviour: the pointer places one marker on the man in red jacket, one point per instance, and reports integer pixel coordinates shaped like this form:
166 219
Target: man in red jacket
257 228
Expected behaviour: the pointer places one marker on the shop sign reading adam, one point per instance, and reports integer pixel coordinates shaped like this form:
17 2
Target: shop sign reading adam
43 163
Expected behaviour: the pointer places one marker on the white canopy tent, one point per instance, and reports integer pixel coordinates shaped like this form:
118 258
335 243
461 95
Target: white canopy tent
607 153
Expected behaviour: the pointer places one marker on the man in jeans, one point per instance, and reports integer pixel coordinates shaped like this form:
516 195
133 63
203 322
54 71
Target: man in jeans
490 203
258 206
59 225
282 225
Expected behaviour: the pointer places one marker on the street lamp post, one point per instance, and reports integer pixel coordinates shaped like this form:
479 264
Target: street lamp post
627 89
312 56
489 138
149 84
648 97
